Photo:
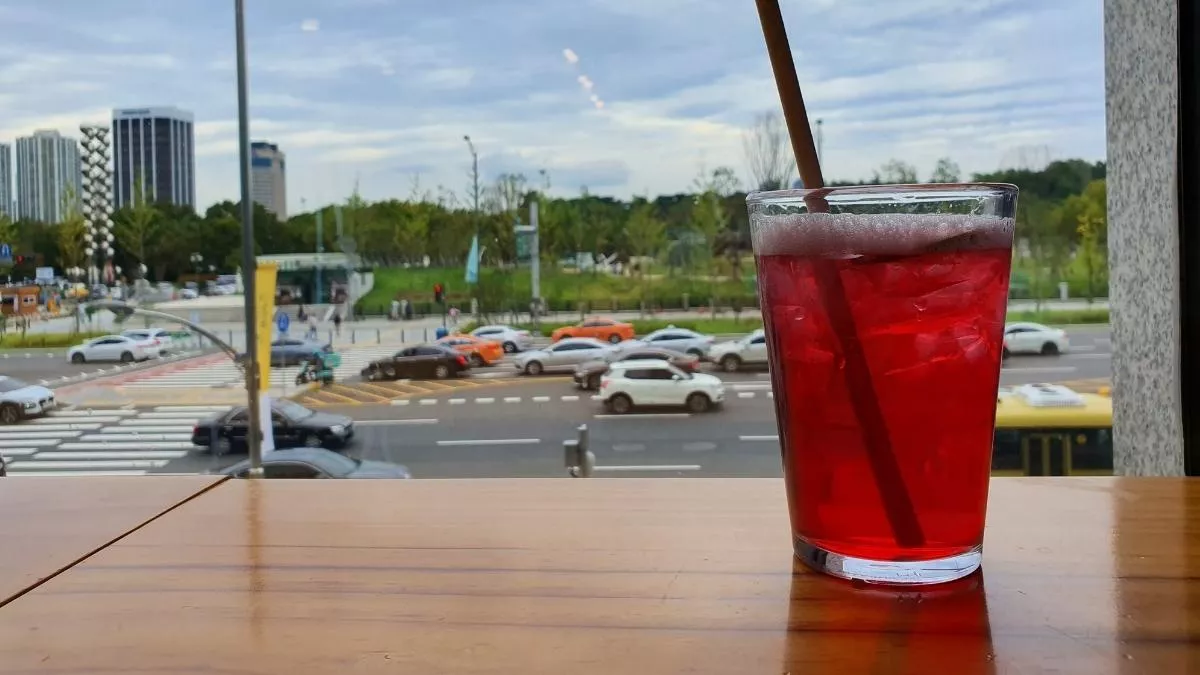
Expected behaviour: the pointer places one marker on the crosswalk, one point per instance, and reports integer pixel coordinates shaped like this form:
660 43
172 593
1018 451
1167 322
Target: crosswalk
102 442
225 374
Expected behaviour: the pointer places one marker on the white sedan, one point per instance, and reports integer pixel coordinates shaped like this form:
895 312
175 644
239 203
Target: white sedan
1034 338
113 348
512 339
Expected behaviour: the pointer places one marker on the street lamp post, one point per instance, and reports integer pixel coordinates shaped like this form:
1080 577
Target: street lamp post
474 179
254 441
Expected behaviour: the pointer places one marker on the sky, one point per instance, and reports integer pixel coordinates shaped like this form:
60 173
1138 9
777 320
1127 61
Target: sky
623 97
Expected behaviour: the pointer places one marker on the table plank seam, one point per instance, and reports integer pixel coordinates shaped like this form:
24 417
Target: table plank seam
4 602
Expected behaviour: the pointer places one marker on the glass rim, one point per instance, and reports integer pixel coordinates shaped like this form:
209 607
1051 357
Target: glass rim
951 190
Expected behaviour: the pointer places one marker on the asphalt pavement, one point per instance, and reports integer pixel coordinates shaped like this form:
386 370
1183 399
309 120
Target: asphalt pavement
52 368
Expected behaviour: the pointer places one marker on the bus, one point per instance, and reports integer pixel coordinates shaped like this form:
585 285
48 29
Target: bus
1051 430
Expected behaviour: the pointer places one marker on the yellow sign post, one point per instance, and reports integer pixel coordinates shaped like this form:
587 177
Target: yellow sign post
265 274
264 300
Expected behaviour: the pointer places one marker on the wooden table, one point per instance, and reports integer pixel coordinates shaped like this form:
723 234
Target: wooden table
609 576
48 524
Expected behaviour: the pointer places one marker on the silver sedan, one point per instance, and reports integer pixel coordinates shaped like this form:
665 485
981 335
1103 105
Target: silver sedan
562 355
512 339
680 340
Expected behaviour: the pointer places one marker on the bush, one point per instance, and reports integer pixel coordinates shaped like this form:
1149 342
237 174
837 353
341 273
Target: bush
14 339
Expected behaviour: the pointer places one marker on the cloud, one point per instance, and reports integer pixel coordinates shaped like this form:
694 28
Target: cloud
377 88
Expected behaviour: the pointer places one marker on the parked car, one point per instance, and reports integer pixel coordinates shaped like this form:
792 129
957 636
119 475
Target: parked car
587 374
20 400
676 339
163 339
418 363
737 354
510 338
654 382
113 348
1034 338
317 463
601 329
563 355
479 351
292 425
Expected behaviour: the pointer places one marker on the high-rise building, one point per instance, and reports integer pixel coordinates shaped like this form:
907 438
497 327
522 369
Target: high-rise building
154 148
48 170
6 181
268 178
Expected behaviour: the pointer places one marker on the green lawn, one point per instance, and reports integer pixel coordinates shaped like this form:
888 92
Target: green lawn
561 290
13 339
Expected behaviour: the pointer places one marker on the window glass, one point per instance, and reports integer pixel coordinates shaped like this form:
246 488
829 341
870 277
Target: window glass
290 471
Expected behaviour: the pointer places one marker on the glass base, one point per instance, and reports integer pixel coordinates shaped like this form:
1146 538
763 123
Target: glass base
911 573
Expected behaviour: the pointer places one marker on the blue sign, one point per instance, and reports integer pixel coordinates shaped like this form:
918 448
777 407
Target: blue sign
5 252
282 321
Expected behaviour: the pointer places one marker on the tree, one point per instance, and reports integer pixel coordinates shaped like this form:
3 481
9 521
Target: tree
645 233
71 232
896 172
1087 213
946 171
768 151
507 195
135 225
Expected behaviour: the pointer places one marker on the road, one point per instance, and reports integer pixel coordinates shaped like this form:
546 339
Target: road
52 368
504 427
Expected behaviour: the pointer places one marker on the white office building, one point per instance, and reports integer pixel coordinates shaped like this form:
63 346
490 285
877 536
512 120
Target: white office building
6 182
268 178
156 147
48 171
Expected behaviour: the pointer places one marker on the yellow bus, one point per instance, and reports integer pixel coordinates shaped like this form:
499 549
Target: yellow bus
1050 430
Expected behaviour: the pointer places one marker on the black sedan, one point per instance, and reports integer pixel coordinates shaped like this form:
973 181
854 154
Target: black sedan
418 363
293 425
317 463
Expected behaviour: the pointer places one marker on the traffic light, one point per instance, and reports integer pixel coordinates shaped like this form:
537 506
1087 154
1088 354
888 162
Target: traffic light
439 294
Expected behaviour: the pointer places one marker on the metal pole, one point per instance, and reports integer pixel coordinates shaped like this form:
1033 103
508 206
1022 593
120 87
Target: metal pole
320 249
535 270
820 141
254 440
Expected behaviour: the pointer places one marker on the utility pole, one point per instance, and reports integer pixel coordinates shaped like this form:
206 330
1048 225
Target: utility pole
320 250
249 263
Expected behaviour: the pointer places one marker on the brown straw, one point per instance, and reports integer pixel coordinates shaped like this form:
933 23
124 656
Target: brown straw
896 501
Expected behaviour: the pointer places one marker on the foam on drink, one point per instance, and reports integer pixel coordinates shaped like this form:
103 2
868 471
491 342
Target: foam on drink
847 235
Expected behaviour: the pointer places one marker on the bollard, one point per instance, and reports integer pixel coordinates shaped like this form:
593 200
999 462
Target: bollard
378 336
353 336
579 461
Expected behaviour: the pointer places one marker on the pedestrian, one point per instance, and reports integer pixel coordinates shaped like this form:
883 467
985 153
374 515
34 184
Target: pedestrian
395 313
312 327
453 316
301 315
337 324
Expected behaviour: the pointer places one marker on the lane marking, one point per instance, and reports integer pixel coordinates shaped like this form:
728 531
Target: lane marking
772 439
427 401
541 399
650 467
457 401
485 400
498 441
512 399
400 401
642 416
385 423
570 398
1054 369
752 386
745 394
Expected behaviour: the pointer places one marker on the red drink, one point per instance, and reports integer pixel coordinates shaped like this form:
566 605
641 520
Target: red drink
928 318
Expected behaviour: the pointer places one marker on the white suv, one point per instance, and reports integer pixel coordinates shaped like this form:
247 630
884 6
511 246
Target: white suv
651 382
733 356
